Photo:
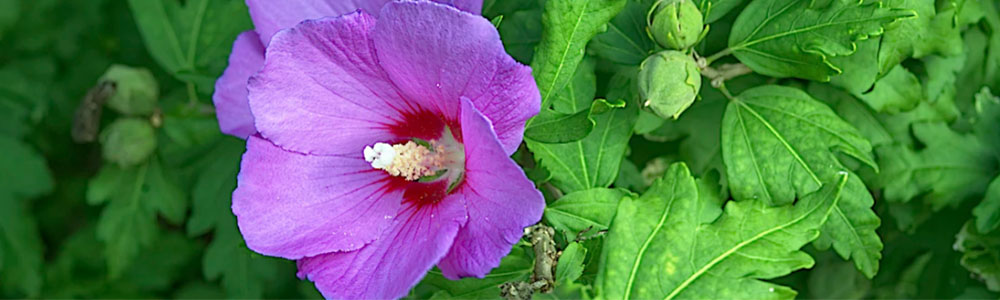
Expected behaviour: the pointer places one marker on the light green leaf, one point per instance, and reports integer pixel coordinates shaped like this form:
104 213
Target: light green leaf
777 142
898 91
626 41
797 38
580 210
570 265
657 249
134 198
988 212
979 254
594 160
191 41
567 27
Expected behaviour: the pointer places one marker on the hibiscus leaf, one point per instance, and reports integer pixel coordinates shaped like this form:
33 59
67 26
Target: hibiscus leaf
590 209
898 91
594 160
567 27
979 254
777 145
557 128
25 176
949 169
570 265
657 249
134 197
626 41
988 212
797 38
716 9
795 133
516 266
191 40
243 273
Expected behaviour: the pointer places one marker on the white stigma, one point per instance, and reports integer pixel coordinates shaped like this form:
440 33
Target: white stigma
380 156
408 160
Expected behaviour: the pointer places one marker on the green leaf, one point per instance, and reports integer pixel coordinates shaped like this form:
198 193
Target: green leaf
520 32
657 249
25 176
777 142
949 169
586 209
134 198
515 266
567 27
21 247
594 160
835 279
979 254
853 111
243 273
570 265
626 41
988 212
193 40
932 31
859 70
797 38
557 128
898 91
716 9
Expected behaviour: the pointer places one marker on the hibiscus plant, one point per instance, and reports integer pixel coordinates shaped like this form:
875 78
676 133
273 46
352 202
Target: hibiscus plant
516 149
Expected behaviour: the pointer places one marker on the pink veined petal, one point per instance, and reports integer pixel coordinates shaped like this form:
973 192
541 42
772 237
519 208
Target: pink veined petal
436 54
391 265
500 199
321 90
230 98
295 205
271 16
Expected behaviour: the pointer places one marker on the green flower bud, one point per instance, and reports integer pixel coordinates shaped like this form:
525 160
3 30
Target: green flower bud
136 90
128 142
669 82
676 24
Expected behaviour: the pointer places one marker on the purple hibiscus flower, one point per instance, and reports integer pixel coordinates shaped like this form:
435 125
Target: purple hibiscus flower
269 17
382 149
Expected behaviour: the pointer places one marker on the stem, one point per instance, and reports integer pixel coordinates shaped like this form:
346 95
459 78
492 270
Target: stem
546 258
725 92
709 60
192 94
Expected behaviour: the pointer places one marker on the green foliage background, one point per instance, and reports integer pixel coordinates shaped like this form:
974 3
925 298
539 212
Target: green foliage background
859 158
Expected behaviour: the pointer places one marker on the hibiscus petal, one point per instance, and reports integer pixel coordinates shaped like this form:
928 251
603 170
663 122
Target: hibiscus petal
230 96
270 16
500 200
321 90
436 54
394 263
294 205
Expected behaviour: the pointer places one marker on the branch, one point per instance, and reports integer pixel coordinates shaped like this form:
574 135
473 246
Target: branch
546 258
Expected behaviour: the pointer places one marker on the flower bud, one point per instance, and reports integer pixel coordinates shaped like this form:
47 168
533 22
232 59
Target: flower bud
669 82
136 91
676 24
128 142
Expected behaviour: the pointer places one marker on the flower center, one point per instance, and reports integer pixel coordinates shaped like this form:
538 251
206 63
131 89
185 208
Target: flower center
420 160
